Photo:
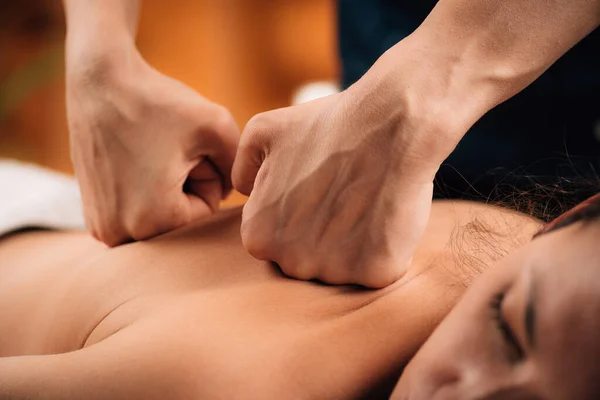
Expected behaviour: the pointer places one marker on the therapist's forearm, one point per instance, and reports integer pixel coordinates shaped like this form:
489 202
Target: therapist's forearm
506 44
467 57
99 29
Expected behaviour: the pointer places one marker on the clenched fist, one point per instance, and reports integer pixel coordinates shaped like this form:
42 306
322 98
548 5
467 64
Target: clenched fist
150 154
339 191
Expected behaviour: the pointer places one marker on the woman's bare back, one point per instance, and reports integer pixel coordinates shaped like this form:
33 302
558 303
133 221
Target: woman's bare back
194 304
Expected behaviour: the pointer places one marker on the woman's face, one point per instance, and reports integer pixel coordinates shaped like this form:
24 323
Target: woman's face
527 329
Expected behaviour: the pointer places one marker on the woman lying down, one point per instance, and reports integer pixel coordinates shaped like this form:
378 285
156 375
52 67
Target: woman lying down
190 315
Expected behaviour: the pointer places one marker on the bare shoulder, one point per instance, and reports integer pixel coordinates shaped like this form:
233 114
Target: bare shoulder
463 238
462 211
471 220
124 366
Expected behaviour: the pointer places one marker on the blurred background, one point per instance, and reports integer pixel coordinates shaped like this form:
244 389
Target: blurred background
249 55
256 55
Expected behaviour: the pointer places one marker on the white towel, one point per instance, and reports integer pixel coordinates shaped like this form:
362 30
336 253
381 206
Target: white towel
32 196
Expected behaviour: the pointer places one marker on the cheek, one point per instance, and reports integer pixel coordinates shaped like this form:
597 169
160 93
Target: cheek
464 340
435 365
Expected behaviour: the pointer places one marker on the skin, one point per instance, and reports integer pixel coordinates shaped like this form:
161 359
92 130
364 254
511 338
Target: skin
335 185
556 277
150 154
191 315
350 175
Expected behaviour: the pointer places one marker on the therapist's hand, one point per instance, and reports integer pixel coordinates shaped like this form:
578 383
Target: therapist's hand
150 154
341 188
335 194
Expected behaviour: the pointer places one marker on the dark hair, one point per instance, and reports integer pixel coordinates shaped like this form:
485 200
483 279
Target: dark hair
585 211
479 243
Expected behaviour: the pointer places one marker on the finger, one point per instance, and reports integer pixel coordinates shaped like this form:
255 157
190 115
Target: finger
110 233
208 191
254 145
106 228
256 232
205 170
198 207
220 145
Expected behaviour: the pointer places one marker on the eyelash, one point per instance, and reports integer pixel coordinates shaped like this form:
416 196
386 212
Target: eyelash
516 351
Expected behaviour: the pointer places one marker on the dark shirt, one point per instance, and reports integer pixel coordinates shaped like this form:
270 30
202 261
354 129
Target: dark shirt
550 129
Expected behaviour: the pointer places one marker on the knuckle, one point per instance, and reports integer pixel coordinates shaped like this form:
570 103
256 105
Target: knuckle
104 224
337 268
303 270
380 278
143 232
96 235
223 120
258 130
114 241
108 237
257 248
257 243
332 277
144 223
257 123
298 264
98 232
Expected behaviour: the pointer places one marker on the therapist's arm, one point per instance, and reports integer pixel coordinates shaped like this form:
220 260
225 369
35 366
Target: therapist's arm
99 27
475 54
340 188
150 154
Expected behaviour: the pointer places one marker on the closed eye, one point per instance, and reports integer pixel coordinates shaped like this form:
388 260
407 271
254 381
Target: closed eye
515 350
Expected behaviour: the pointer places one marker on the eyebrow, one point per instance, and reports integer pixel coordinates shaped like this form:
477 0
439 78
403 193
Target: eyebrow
530 313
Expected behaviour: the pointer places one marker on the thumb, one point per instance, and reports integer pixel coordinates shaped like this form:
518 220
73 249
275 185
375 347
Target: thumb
218 145
253 149
207 201
204 183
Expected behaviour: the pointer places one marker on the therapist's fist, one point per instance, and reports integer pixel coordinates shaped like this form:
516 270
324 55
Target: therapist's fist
150 154
340 189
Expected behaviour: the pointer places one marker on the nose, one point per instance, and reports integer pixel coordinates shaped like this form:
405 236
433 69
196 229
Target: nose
471 389
442 384
455 384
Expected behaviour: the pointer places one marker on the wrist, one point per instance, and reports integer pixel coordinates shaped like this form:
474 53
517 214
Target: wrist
103 64
100 33
430 99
